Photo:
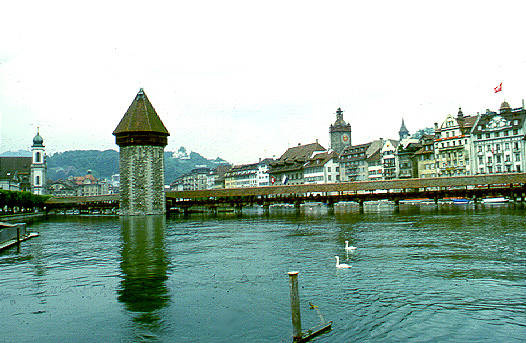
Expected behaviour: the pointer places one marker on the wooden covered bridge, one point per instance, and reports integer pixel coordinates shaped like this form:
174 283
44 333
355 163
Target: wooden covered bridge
512 186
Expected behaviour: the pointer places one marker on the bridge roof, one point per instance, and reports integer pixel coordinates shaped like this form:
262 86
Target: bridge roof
141 117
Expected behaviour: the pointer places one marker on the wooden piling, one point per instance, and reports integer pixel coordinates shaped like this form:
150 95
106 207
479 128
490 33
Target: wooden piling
295 306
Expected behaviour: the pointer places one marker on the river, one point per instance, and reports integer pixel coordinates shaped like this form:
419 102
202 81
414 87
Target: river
446 274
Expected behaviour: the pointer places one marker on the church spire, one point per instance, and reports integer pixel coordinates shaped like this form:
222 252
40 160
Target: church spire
404 132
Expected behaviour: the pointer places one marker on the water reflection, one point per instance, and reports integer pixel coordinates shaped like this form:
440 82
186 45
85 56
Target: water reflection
144 268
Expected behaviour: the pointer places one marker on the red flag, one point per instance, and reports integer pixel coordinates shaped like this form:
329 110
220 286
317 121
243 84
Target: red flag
498 88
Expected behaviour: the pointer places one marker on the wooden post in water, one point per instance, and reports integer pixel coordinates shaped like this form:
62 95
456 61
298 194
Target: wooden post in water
295 306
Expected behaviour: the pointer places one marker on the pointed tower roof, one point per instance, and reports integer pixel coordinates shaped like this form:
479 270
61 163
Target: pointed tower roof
141 125
404 132
141 117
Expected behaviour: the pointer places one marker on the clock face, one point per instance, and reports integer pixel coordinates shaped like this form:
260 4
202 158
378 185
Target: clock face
345 138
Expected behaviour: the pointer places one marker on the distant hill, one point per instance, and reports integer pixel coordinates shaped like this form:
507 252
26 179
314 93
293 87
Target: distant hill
103 164
19 153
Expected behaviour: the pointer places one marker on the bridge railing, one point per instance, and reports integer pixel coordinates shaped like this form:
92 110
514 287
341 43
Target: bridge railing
383 185
396 185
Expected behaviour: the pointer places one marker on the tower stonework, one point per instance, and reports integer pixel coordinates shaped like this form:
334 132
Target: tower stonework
141 137
340 133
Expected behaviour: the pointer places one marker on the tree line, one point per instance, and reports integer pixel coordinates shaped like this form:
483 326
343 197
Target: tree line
12 201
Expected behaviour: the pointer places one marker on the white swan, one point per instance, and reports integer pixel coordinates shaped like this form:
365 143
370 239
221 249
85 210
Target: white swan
343 265
349 248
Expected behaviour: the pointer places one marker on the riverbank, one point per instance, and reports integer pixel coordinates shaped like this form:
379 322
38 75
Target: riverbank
21 216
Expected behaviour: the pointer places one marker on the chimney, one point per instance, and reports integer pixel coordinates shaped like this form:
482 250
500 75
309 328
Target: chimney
436 126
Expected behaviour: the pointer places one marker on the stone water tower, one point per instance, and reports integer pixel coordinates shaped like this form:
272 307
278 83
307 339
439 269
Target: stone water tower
141 137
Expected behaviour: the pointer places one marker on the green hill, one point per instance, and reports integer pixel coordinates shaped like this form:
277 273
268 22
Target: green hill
104 164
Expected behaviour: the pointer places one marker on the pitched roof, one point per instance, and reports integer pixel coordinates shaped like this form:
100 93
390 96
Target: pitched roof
20 165
321 159
301 152
141 117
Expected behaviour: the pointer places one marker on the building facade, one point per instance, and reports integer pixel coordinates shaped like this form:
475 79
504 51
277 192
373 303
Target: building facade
499 141
389 161
453 147
288 169
323 167
425 157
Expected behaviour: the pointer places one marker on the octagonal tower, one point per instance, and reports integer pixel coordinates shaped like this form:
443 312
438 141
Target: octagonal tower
141 137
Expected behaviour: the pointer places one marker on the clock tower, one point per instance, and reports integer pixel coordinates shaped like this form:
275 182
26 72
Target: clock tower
340 133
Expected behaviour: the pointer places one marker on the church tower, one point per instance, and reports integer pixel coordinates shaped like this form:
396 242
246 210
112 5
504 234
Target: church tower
340 133
38 165
141 137
404 132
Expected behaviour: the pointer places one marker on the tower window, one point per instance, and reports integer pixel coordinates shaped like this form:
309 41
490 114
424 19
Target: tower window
37 157
37 180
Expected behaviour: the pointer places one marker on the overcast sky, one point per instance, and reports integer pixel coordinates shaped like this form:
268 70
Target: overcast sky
246 79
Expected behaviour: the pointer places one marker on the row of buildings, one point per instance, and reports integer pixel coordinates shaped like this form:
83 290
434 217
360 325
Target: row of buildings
485 143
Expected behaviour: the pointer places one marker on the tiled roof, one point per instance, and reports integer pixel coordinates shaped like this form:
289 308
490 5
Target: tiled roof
141 117
467 122
20 165
511 115
301 152
320 159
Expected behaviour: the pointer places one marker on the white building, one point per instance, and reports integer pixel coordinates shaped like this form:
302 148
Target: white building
453 147
322 168
499 141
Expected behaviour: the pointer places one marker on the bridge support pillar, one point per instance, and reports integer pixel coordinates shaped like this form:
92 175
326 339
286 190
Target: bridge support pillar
266 209
238 210
360 204
297 207
213 209
397 205
330 208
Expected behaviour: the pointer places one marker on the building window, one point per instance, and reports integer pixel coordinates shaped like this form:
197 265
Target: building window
517 157
506 133
497 134
37 157
37 180
515 131
507 146
487 135
489 159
